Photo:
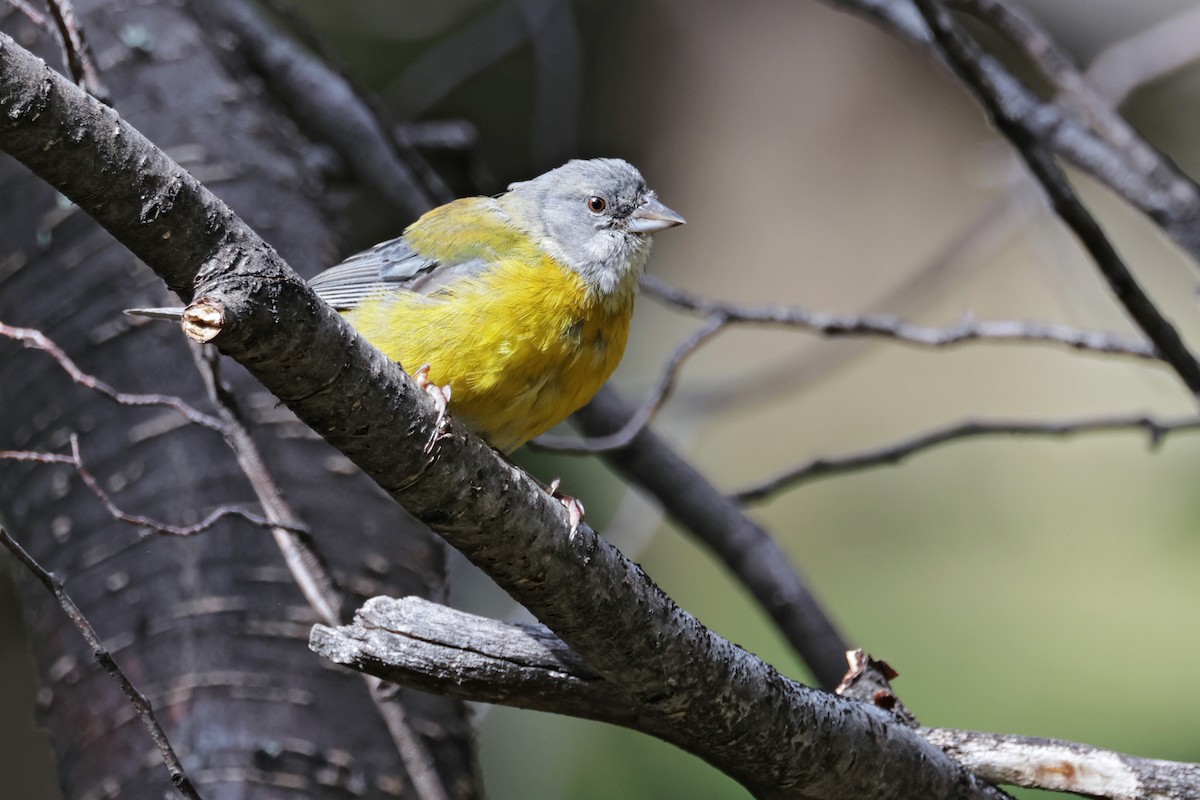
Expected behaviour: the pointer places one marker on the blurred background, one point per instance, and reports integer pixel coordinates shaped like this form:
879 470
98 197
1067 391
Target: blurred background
1036 587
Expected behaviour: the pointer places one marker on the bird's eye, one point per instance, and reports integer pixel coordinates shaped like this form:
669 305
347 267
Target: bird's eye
596 204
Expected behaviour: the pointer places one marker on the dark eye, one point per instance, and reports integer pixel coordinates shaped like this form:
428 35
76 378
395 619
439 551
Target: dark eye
596 204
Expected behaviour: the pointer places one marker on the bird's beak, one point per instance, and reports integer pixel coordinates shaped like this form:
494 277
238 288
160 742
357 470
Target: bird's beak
652 217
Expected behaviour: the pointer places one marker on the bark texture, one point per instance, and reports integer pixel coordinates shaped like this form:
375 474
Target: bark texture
211 628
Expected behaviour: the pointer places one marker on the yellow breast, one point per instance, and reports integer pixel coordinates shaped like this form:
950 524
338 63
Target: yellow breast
522 345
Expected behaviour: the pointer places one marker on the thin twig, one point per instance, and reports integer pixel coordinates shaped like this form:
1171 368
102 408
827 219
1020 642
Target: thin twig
140 704
154 526
35 339
989 86
38 457
76 51
808 367
889 327
151 525
308 567
894 453
148 524
653 402
33 15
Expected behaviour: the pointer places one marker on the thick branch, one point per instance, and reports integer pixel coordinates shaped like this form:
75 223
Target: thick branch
414 642
428 646
721 524
778 738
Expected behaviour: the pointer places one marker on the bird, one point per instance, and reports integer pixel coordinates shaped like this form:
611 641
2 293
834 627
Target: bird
519 303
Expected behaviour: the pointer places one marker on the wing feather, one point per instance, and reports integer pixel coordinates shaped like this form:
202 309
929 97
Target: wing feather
409 263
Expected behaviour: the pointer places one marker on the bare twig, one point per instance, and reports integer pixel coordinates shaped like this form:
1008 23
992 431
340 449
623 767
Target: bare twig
308 567
305 563
37 340
894 453
1009 113
140 704
148 524
76 52
151 525
1062 766
33 15
807 367
889 327
653 402
37 457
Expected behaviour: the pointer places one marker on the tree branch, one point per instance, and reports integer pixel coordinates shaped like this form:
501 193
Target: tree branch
36 340
651 404
778 738
431 647
76 52
148 525
325 102
310 570
141 705
1156 187
428 646
894 453
889 327
720 524
1011 115
1068 766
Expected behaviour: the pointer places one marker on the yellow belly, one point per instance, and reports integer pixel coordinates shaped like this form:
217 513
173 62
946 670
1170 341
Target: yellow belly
521 346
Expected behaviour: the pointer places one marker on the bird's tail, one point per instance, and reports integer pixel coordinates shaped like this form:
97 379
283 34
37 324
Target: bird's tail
171 314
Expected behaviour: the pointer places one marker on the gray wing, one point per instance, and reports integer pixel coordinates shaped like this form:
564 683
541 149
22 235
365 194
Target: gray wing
388 266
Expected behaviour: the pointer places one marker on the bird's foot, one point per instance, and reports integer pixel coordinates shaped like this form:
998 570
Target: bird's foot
574 507
441 399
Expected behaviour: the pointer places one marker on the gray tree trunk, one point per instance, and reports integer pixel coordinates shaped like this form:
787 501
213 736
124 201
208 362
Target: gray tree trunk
211 628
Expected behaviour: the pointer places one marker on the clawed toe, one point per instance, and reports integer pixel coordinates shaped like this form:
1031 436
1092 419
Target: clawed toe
441 399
